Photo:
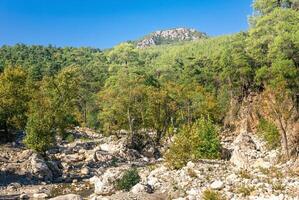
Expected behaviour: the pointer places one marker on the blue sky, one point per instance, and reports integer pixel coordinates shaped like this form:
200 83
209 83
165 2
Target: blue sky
105 23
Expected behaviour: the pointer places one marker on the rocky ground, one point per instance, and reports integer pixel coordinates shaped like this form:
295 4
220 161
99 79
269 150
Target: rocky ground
87 168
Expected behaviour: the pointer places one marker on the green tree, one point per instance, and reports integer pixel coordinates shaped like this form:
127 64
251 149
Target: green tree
53 109
14 97
40 129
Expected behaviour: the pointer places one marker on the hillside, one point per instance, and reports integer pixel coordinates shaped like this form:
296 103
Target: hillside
169 36
213 118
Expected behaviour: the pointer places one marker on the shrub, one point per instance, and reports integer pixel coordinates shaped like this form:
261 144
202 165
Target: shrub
212 195
208 143
180 150
198 141
70 138
269 132
39 136
128 180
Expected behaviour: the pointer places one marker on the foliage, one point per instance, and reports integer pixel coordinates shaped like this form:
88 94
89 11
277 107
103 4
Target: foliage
70 138
245 190
158 89
39 134
269 132
39 128
52 109
212 195
245 174
180 150
198 141
14 97
128 180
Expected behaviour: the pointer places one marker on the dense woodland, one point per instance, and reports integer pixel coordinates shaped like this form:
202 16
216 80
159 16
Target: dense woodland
166 90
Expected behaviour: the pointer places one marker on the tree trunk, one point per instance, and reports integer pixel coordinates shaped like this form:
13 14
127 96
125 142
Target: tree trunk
284 139
159 136
130 122
5 127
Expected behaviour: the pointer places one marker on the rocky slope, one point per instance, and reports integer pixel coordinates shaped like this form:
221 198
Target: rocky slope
170 36
87 168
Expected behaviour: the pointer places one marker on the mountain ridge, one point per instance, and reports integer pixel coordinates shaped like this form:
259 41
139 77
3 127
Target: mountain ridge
169 36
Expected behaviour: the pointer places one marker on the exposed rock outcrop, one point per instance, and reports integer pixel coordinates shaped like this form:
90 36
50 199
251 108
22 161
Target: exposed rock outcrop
170 36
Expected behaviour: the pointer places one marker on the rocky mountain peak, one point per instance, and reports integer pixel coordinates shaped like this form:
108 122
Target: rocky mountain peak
170 36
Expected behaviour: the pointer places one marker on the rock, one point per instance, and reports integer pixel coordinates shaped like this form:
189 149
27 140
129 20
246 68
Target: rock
81 151
102 156
68 197
73 158
138 188
104 184
190 165
170 36
85 171
149 189
40 169
260 163
55 168
25 155
193 192
244 151
40 196
232 178
152 181
111 147
24 196
151 152
14 186
217 185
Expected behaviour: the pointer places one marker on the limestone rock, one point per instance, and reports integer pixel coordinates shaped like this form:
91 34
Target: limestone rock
40 196
138 188
68 197
85 171
39 168
244 151
104 184
217 185
170 36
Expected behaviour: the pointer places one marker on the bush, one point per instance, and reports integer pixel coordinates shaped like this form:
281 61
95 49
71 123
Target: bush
38 134
199 141
212 195
128 180
269 132
70 138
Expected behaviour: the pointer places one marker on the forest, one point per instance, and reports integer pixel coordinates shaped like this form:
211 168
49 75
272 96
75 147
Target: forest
184 89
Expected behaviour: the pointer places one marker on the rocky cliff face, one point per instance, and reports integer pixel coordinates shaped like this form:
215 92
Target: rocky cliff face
170 36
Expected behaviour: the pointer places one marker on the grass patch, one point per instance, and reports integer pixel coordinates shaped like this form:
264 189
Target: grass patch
272 172
278 186
212 195
244 174
245 190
